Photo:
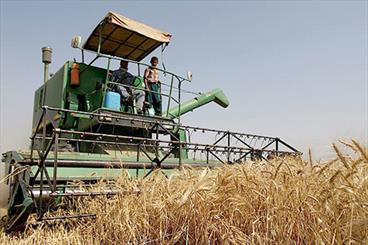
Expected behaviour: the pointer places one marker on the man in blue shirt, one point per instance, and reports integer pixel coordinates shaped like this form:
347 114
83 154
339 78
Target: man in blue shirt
126 89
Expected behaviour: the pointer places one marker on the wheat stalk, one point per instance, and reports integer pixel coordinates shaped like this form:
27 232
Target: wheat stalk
283 202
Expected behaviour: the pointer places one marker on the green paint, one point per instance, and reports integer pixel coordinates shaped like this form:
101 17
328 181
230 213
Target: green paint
216 95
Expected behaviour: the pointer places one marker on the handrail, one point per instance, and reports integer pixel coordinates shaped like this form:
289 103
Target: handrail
100 55
179 79
142 89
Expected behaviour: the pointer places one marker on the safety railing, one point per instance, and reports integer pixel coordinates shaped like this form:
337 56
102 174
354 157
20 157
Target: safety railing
175 83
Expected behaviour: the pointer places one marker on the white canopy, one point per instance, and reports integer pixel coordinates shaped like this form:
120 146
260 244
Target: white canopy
125 38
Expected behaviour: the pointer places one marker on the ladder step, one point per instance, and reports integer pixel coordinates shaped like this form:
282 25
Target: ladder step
77 216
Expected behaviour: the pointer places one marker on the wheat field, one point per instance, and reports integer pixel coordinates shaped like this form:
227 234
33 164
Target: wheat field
285 201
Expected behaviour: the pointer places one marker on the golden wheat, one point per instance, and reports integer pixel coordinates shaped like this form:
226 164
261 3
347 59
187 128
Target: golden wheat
287 201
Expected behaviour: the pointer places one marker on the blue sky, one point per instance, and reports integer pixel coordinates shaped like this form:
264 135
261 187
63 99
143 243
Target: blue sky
296 70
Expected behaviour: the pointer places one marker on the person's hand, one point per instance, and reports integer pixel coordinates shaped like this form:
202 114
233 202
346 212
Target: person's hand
109 75
147 87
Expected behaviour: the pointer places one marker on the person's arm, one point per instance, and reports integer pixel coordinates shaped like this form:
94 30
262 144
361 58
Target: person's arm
115 76
158 78
146 74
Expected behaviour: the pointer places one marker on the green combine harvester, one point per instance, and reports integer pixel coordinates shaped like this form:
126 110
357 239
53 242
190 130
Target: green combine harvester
78 134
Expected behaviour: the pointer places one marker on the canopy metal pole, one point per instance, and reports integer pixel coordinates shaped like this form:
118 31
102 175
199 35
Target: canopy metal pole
170 94
106 82
100 38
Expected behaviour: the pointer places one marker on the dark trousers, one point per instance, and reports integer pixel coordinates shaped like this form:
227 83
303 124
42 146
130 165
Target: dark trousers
154 97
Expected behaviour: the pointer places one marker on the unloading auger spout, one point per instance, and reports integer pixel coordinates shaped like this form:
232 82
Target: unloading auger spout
216 95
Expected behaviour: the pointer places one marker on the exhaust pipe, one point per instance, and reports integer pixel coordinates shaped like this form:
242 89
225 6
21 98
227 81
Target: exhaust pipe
46 59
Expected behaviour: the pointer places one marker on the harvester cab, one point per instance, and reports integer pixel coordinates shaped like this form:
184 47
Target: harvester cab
83 130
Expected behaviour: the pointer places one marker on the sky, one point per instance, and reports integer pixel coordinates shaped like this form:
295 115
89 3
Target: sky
292 69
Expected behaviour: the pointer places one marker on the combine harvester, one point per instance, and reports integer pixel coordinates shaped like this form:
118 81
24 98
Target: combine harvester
79 134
